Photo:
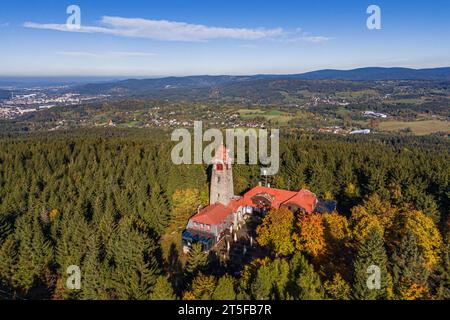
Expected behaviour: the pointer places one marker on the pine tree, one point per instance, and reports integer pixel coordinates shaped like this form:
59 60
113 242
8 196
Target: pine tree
442 277
162 290
8 262
262 286
203 287
225 289
371 256
408 265
197 259
135 263
95 274
309 285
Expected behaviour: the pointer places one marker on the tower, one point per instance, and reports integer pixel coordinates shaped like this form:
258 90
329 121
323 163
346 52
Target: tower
222 189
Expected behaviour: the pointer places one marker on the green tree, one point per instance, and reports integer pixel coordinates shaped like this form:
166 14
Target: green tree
197 259
370 254
408 265
442 277
95 273
8 262
135 263
308 283
162 290
225 289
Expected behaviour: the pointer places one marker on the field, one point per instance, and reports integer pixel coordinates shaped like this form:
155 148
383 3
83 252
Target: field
419 128
274 116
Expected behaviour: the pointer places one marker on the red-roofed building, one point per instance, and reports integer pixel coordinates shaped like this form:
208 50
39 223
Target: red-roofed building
226 212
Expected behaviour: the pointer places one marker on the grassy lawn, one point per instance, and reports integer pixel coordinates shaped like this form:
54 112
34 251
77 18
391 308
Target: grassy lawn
418 127
271 115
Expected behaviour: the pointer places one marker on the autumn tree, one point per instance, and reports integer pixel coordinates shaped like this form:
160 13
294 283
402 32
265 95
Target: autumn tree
338 236
429 240
275 232
184 204
309 236
203 287
337 288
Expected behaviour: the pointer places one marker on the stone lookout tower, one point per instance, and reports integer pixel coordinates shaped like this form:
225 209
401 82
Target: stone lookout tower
222 190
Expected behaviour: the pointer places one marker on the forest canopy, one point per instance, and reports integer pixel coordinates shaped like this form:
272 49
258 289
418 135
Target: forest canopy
112 203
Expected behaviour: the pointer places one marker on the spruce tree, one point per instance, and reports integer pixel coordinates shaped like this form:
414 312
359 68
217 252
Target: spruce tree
95 273
408 265
162 290
370 258
225 289
309 285
8 262
135 264
197 259
442 277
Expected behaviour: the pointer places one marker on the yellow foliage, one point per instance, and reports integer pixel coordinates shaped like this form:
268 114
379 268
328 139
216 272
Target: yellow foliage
54 214
185 204
351 191
275 231
310 235
188 296
363 222
429 240
328 196
338 288
336 226
413 291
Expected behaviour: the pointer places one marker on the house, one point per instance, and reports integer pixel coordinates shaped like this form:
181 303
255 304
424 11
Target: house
228 212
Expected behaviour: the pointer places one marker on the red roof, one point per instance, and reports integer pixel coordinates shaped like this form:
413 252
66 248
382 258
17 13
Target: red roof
213 214
216 213
304 199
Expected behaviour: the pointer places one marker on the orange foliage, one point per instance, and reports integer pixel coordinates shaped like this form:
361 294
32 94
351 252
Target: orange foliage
309 237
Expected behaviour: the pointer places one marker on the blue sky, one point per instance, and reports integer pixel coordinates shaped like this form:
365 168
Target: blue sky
172 37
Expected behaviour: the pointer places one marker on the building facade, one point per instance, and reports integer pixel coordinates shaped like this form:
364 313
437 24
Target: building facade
227 212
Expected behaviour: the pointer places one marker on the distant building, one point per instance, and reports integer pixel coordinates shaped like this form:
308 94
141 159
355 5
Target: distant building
365 131
375 114
227 212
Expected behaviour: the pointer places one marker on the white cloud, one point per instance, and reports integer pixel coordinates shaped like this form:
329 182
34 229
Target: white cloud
163 30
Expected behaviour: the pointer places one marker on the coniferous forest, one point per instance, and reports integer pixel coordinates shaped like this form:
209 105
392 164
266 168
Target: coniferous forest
112 203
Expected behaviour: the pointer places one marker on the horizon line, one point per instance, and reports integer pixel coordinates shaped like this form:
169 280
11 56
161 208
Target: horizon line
130 76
